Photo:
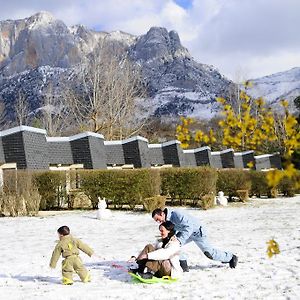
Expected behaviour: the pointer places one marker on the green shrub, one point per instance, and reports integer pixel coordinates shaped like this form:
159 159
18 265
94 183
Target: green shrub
152 203
231 180
287 186
52 188
19 196
188 183
259 184
121 186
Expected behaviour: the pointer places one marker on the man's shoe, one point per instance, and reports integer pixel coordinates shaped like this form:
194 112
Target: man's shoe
233 262
184 266
146 275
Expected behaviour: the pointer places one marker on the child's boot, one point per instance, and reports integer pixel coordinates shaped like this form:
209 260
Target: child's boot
67 281
87 278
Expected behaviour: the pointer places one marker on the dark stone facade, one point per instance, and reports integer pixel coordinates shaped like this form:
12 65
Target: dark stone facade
275 161
88 149
114 153
267 161
30 148
97 152
189 158
203 156
223 159
156 157
34 145
216 161
59 151
26 147
173 154
136 152
2 158
198 157
14 150
243 159
227 158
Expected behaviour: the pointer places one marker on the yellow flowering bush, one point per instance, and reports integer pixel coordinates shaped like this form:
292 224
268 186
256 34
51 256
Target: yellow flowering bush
288 135
186 136
250 126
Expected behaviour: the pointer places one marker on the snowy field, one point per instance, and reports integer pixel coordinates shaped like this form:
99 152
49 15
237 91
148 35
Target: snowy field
26 245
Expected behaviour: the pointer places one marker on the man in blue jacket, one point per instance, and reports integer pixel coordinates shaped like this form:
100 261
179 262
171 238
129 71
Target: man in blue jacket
188 229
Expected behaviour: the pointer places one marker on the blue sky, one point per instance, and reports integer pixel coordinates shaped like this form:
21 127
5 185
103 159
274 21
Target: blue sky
184 3
242 38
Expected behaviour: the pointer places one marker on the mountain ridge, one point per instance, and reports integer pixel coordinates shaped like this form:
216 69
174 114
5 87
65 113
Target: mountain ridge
41 49
278 86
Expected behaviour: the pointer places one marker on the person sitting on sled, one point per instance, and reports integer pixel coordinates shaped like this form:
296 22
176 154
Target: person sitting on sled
163 258
69 247
188 229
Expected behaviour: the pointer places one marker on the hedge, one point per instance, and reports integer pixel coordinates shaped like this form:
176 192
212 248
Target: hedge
287 186
189 183
24 192
231 181
19 195
259 184
52 188
121 186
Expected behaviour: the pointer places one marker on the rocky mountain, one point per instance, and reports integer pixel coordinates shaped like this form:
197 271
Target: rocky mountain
39 49
278 86
177 83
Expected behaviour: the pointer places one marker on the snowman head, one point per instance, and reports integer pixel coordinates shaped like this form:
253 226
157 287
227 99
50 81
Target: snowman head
221 194
101 203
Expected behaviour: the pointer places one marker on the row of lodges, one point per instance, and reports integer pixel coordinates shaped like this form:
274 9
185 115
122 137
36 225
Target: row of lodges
30 148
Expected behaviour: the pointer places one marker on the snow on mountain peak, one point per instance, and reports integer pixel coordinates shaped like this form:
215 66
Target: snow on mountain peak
121 36
176 83
278 86
41 19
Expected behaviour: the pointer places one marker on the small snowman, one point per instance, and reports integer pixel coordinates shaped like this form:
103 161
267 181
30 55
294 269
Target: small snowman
103 212
221 199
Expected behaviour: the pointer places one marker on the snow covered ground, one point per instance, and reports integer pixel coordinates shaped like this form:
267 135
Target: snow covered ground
26 245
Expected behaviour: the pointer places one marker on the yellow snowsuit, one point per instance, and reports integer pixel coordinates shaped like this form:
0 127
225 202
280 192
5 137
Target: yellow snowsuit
68 247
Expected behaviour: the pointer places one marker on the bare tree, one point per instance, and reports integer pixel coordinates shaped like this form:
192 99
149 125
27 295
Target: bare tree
54 113
108 101
22 110
4 122
234 90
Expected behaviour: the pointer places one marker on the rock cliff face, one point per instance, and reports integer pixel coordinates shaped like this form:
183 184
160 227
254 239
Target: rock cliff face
39 49
177 83
37 41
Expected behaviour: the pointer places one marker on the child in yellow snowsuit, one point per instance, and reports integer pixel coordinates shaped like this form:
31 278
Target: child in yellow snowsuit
68 247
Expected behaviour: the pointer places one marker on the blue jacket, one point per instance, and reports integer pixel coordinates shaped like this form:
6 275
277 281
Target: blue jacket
185 225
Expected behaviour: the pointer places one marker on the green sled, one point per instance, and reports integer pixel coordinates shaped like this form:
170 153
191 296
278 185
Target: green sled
164 279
